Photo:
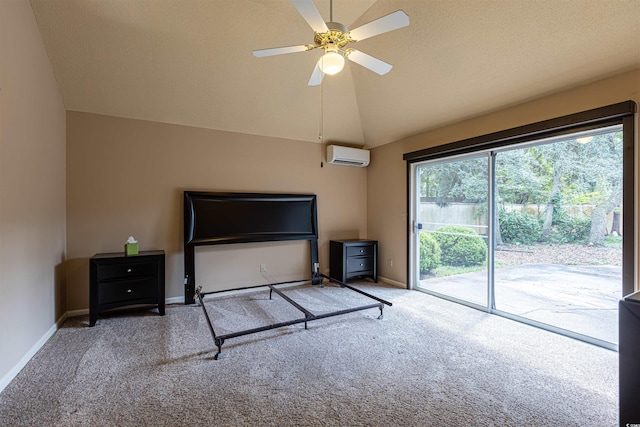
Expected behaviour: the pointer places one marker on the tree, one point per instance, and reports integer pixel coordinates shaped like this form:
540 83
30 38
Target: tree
553 160
459 181
519 181
552 175
600 212
520 177
608 182
596 178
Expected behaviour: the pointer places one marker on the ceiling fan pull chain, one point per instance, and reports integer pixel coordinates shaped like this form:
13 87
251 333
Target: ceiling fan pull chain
321 135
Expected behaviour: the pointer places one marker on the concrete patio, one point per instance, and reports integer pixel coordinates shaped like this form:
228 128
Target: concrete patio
582 299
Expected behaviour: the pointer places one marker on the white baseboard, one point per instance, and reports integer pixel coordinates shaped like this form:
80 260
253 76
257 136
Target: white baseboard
9 376
393 282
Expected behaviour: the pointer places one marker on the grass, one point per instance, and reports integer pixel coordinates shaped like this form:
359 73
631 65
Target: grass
452 270
613 241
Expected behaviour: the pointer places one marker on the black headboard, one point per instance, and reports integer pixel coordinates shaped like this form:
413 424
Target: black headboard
223 218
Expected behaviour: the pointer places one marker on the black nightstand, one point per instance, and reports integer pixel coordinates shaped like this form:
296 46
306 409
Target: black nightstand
353 258
117 280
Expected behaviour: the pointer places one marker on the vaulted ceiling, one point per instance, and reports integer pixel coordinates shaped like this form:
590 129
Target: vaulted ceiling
190 62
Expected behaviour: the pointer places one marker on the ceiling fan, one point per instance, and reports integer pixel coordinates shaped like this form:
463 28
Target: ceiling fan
333 38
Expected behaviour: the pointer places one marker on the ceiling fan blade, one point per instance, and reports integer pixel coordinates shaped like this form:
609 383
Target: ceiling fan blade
316 76
390 22
280 50
368 61
310 13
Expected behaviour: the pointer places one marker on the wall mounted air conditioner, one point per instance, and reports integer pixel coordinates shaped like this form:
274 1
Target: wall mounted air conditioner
338 155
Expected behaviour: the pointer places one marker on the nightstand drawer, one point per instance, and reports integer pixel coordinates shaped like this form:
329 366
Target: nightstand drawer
116 280
126 270
353 258
127 290
359 251
359 264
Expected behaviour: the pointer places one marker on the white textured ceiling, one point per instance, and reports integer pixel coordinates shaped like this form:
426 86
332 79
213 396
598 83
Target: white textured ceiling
190 62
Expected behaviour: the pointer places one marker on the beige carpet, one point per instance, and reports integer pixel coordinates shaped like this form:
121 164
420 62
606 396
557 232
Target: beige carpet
429 362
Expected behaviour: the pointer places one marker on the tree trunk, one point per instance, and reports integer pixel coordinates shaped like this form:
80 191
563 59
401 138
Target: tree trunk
498 238
615 224
548 213
599 215
598 226
498 234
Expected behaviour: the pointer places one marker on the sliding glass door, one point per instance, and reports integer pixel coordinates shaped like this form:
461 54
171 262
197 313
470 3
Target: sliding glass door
452 228
559 234
532 231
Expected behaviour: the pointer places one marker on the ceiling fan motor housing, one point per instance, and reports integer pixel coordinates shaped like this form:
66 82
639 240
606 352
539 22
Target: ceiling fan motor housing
338 34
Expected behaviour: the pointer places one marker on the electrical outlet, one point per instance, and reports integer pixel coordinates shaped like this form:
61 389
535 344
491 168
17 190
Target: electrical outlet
390 263
263 268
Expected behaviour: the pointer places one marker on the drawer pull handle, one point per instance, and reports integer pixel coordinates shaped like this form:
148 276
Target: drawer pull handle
128 270
361 250
129 291
361 265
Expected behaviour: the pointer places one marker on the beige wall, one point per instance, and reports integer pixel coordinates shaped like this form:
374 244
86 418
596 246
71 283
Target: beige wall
126 177
32 189
387 193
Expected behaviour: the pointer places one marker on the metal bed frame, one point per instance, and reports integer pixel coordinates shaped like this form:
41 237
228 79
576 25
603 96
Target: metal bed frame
308 315
272 217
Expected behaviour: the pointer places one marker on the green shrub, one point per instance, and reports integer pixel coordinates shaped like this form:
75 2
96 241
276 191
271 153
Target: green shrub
570 229
566 228
430 253
520 228
460 246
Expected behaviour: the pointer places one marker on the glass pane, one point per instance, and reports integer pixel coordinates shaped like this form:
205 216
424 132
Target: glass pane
452 212
558 256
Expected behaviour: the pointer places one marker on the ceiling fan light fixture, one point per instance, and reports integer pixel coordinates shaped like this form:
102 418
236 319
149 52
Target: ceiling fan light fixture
332 62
